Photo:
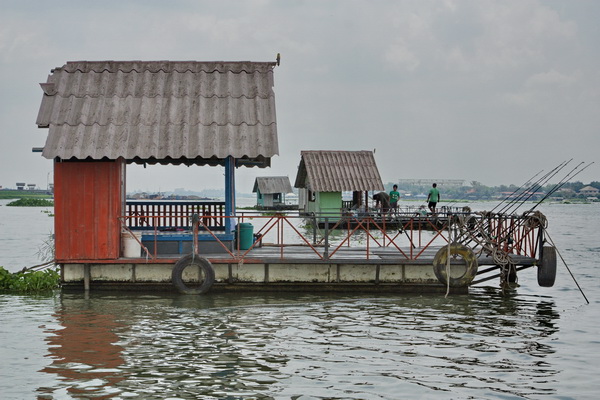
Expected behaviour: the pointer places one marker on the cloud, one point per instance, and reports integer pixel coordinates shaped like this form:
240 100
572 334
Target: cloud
440 88
400 55
551 79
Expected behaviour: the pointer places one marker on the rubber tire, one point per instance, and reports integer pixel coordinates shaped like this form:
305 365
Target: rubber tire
439 265
193 260
546 274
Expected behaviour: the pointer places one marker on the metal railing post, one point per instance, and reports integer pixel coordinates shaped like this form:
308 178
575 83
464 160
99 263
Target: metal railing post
314 226
326 252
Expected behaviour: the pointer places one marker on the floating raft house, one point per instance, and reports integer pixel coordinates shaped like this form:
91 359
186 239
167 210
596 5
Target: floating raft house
102 116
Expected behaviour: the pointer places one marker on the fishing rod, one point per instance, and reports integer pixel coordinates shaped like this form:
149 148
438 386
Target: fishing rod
522 187
525 190
561 184
516 190
568 269
570 178
570 175
523 196
485 222
526 195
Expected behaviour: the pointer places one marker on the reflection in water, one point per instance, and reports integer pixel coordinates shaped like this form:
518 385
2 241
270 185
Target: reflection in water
290 346
84 352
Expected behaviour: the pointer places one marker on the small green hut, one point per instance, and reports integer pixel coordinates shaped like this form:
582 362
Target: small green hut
324 175
271 190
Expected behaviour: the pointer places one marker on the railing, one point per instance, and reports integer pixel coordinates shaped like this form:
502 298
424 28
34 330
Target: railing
503 235
408 211
406 236
164 215
493 234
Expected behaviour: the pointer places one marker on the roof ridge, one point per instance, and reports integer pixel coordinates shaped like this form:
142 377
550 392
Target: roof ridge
166 66
169 124
272 94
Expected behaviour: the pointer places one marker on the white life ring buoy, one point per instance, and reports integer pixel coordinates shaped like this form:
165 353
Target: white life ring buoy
440 261
208 274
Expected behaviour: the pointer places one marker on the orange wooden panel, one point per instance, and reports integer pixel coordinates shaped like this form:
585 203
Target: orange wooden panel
87 202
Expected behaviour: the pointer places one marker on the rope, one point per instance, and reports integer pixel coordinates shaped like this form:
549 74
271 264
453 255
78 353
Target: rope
477 230
535 219
500 257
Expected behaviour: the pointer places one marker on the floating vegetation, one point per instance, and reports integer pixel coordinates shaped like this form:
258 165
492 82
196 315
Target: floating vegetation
29 281
49 213
274 213
31 203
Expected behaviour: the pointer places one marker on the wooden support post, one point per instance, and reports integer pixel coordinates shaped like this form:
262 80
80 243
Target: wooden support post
86 277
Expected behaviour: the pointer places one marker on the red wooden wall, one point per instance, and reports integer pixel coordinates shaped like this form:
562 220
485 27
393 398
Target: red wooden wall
87 204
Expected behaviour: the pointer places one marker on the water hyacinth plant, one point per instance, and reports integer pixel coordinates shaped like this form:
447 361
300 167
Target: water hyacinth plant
29 281
31 203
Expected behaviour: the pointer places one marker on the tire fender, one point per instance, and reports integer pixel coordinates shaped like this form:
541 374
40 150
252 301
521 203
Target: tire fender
441 257
189 260
546 274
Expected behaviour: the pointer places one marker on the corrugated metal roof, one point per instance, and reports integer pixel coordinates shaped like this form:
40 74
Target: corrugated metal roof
272 184
338 171
160 110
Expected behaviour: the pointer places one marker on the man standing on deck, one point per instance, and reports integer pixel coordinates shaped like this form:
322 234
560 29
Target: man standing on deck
433 198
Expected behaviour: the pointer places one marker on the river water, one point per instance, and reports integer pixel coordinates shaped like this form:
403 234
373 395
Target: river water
527 343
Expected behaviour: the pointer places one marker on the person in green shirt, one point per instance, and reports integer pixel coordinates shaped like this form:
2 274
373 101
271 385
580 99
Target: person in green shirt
433 198
394 197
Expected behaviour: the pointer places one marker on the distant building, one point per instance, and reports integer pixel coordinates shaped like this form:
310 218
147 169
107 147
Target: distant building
526 195
429 182
589 191
271 190
566 192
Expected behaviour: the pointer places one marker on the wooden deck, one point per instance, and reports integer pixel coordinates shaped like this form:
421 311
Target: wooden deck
288 268
301 254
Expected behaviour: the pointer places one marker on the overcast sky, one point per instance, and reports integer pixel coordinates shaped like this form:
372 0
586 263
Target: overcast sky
488 91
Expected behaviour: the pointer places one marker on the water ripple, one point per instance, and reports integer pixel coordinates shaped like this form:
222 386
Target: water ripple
276 347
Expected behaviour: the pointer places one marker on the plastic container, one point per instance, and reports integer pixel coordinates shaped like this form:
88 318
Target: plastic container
131 246
245 235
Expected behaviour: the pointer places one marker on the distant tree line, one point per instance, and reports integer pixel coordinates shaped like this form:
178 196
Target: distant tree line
477 191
